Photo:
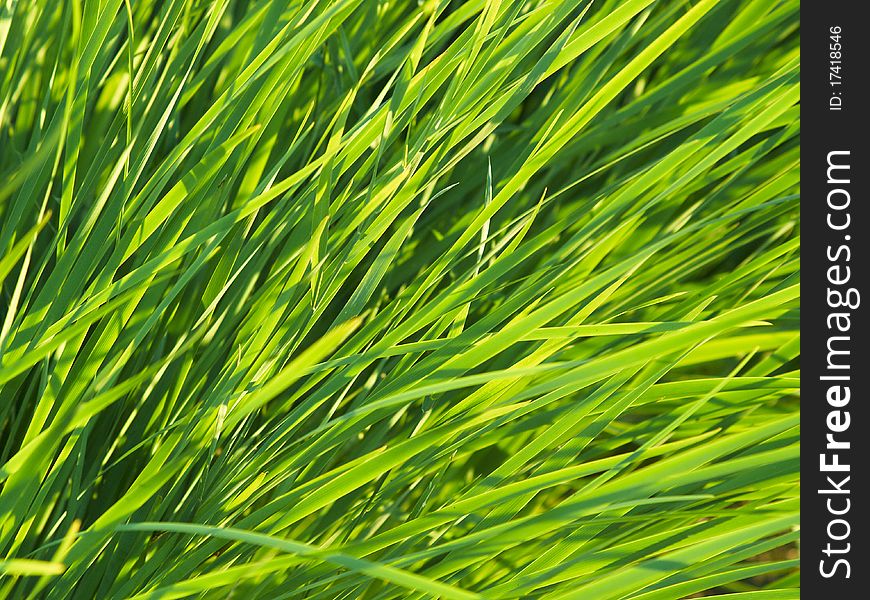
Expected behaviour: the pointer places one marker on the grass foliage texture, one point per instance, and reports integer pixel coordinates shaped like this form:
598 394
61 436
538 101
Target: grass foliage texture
386 299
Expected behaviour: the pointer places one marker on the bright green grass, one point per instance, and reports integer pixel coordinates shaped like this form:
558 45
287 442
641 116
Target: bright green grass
375 299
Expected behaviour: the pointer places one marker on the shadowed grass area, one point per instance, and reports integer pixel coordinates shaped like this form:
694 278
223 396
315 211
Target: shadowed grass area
344 299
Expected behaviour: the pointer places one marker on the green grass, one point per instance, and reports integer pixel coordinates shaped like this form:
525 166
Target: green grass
344 299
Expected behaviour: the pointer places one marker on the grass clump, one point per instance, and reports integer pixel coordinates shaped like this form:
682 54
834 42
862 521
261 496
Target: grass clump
381 299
